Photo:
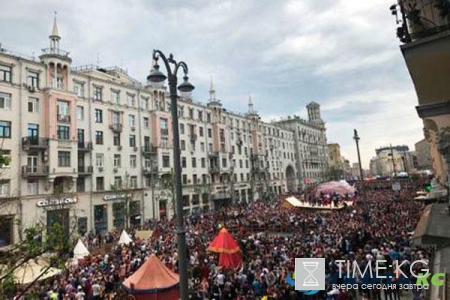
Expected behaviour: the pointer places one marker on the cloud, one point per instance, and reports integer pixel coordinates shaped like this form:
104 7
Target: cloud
341 53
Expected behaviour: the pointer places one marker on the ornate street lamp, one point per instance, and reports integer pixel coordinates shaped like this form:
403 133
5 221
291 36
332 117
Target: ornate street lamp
157 76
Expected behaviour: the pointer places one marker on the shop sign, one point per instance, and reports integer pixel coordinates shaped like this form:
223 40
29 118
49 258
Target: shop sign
119 196
56 202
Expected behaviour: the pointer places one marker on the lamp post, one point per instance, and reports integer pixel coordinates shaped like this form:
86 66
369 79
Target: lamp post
356 138
185 87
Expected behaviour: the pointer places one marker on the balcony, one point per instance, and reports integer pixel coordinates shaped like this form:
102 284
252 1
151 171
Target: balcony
85 170
35 171
59 52
164 132
214 154
34 143
149 171
63 118
214 169
149 150
85 146
116 127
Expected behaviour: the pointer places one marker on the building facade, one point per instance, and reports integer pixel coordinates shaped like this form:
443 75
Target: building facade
392 160
335 162
91 148
423 154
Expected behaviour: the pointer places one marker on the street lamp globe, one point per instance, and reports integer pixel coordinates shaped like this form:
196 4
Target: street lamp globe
186 86
156 76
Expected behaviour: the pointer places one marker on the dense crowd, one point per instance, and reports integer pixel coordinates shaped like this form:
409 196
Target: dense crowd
376 227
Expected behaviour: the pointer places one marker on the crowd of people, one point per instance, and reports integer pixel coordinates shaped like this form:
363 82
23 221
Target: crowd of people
378 227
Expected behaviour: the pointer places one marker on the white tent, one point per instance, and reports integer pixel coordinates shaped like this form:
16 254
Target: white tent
80 250
124 238
33 269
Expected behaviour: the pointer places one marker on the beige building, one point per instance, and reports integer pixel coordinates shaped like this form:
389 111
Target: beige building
91 148
390 160
423 153
335 161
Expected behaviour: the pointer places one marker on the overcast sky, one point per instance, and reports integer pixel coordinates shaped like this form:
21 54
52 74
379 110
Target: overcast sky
342 54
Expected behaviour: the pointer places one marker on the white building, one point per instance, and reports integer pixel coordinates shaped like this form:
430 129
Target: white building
91 148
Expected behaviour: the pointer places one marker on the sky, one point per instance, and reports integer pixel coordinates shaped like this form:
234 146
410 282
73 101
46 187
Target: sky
343 54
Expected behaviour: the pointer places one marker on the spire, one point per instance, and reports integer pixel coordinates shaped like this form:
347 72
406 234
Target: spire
250 104
212 91
55 31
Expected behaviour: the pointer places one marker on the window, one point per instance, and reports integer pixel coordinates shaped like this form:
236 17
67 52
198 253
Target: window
200 115
131 100
184 180
33 79
181 128
81 186
5 73
33 105
116 118
164 126
117 160
133 161
4 188
132 121
5 101
144 103
194 179
80 113
133 182
63 158
132 140
146 124
117 182
99 159
203 162
210 147
99 137
78 89
191 113
202 147
99 183
63 132
224 162
63 111
183 145
116 139
183 162
115 97
32 187
200 131
209 133
208 117
98 95
194 162
166 161
98 115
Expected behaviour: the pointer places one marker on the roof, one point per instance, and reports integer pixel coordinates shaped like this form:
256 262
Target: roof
224 243
434 222
294 201
152 277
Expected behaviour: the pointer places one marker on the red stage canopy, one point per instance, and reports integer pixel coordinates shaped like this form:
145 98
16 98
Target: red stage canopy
153 280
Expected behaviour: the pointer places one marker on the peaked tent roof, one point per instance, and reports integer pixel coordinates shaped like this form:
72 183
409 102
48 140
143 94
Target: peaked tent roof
124 238
224 243
152 277
80 250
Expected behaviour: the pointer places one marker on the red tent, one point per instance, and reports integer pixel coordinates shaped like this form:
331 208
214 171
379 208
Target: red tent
153 281
228 249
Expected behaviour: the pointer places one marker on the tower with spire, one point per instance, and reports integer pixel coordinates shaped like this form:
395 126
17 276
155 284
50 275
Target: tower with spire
213 102
57 61
314 114
252 113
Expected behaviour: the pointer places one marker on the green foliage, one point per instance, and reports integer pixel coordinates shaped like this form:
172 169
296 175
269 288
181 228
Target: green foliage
4 160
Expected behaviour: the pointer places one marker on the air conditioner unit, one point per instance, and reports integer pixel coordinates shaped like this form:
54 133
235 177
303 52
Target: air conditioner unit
133 128
100 169
31 89
119 148
116 169
135 149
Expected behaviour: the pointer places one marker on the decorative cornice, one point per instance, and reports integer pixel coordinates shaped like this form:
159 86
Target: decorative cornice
433 110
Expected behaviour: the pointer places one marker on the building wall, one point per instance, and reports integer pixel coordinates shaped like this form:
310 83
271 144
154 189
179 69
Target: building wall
123 139
423 154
